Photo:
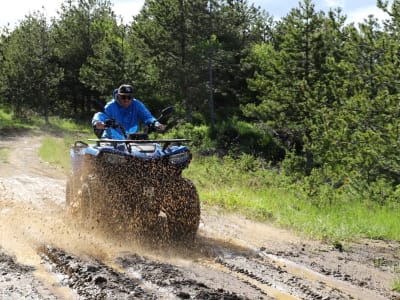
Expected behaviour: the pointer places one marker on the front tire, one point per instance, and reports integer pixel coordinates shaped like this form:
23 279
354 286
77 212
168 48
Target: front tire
88 212
181 205
69 192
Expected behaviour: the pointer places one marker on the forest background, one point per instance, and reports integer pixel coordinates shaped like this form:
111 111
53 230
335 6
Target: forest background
308 97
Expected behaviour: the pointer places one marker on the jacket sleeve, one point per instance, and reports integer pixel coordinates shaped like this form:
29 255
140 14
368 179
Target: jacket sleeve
144 114
99 116
96 118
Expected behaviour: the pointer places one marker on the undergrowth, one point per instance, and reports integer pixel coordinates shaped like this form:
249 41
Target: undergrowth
8 122
4 155
250 187
396 285
55 149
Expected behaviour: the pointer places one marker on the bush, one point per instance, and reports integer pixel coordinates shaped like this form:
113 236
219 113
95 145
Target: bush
199 136
236 137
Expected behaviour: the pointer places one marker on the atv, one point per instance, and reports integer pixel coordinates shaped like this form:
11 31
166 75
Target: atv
134 185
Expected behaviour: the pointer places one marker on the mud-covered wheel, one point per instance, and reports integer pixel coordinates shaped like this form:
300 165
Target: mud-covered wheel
88 212
68 192
181 206
85 202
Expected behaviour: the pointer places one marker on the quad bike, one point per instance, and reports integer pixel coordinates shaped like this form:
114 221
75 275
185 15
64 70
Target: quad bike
134 185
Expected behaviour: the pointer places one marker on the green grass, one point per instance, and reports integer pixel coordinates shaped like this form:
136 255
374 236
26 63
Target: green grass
8 122
55 149
4 155
396 285
266 195
61 133
55 125
5 118
66 126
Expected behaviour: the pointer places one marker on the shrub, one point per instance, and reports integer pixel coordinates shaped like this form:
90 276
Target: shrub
235 137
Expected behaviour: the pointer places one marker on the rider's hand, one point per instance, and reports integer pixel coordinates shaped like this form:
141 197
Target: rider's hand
160 127
99 125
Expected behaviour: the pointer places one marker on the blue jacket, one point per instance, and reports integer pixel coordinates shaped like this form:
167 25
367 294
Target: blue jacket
129 118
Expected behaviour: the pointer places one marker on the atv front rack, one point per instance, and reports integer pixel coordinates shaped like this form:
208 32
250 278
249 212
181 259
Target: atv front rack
115 143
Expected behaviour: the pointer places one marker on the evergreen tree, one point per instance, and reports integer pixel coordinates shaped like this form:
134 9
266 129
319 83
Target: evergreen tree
32 75
105 69
237 26
288 78
196 44
169 32
80 32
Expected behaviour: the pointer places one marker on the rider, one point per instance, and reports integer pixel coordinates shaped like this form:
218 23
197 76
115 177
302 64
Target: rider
127 111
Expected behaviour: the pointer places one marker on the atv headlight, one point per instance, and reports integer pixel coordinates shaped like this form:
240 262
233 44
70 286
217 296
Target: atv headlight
179 158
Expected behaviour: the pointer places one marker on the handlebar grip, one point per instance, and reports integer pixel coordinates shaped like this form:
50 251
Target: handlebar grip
109 123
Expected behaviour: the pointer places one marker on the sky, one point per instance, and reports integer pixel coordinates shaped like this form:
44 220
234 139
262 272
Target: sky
355 10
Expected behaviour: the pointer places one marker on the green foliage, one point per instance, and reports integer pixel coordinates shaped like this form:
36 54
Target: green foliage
69 125
5 118
199 136
4 155
54 149
396 285
331 94
232 137
8 121
235 137
187 40
28 57
169 33
104 68
54 152
251 187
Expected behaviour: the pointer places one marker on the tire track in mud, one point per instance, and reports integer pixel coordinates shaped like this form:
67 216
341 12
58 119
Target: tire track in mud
248 274
288 277
343 288
313 269
282 278
18 281
140 278
299 283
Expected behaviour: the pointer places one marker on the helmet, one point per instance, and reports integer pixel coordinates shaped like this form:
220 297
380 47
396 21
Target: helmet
125 89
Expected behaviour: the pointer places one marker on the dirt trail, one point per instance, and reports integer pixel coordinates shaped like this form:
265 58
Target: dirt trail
45 255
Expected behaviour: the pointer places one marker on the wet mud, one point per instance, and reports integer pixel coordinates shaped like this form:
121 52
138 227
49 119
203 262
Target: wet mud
46 254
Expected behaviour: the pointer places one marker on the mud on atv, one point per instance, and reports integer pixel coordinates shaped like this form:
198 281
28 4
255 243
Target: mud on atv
134 185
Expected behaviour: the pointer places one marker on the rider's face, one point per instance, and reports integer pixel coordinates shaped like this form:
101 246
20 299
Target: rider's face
125 100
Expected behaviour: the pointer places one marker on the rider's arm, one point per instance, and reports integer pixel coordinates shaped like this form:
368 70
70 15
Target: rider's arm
144 114
147 118
98 120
